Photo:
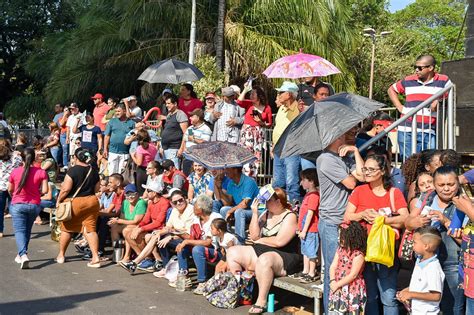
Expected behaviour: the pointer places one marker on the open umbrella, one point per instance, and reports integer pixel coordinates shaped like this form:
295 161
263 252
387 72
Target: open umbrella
300 65
219 155
322 123
171 71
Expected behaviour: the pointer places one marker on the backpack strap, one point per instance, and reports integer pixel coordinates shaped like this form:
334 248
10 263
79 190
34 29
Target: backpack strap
392 199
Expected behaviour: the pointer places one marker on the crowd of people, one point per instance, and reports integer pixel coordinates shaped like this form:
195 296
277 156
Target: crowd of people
129 184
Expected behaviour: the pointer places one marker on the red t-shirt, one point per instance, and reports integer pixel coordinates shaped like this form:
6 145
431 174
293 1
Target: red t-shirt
30 193
310 202
155 216
363 198
99 113
118 201
248 119
192 105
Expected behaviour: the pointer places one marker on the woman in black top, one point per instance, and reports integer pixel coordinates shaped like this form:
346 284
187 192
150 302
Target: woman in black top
85 206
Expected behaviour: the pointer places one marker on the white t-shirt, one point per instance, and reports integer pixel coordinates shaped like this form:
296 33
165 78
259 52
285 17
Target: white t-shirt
137 111
183 221
71 122
225 242
427 276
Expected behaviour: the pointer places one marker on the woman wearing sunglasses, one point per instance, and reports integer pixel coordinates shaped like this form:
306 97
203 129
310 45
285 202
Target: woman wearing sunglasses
132 212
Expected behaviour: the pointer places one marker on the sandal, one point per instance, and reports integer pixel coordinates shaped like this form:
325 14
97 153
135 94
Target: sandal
94 265
60 260
257 309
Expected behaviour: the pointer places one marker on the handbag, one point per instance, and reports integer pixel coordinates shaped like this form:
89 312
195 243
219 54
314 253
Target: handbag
64 210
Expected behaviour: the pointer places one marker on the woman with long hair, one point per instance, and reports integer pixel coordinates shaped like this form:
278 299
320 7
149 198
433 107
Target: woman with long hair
53 143
26 185
188 100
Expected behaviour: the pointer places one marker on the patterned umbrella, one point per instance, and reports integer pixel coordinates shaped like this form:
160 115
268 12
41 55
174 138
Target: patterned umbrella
171 71
219 155
300 65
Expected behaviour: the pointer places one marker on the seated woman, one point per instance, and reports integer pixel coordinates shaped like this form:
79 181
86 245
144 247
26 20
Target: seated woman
199 181
44 159
367 202
275 249
132 212
48 200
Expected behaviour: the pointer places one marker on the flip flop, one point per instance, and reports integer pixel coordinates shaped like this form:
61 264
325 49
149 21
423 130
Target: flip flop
257 309
94 265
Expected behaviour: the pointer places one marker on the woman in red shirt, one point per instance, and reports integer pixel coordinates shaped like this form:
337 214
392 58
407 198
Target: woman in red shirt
258 116
378 197
188 100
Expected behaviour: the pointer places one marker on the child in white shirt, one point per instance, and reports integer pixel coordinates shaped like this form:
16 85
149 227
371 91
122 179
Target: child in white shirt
222 241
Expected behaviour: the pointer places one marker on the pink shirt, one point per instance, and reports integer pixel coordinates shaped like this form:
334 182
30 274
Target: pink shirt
30 193
192 105
148 154
99 113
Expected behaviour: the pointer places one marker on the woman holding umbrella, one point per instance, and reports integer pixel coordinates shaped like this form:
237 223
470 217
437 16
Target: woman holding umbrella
258 116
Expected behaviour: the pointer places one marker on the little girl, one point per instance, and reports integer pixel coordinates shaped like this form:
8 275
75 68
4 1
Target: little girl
222 241
348 293
423 184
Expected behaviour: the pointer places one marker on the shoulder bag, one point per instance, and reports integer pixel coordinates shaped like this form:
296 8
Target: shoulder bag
64 210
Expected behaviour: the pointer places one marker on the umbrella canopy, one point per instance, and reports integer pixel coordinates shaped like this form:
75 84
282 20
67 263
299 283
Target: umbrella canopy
171 71
300 65
322 123
219 155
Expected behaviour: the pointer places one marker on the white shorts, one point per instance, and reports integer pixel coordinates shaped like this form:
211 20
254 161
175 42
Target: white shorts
117 162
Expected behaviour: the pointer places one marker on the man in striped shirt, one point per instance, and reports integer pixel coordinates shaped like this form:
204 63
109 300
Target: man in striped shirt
417 88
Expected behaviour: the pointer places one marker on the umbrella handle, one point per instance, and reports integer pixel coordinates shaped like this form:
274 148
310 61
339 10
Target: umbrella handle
158 112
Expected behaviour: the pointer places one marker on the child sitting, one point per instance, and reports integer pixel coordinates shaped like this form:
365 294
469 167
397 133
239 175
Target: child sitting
426 284
222 241
348 292
308 225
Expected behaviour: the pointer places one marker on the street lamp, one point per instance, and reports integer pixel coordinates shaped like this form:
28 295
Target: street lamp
370 32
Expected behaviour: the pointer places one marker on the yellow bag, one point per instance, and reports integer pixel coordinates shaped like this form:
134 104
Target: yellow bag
381 243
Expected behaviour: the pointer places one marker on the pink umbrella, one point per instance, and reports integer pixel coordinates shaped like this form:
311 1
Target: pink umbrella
300 65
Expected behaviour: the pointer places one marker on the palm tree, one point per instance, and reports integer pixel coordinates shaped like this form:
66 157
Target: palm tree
220 35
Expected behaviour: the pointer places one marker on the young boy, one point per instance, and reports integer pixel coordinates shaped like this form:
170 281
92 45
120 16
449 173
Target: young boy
308 225
426 284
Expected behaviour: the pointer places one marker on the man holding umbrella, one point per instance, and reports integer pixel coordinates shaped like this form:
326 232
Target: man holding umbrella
286 170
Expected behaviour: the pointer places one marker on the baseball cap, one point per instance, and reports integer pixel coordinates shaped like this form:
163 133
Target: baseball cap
155 186
210 95
236 89
288 86
166 91
166 164
130 188
73 105
228 91
96 96
132 98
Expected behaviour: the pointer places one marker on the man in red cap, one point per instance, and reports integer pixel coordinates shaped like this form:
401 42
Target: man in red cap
100 110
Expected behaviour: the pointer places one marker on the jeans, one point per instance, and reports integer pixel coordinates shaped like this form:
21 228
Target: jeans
23 216
216 206
452 302
241 217
381 281
200 260
469 305
305 164
65 147
46 204
172 154
3 203
328 233
103 231
165 254
56 153
286 175
424 141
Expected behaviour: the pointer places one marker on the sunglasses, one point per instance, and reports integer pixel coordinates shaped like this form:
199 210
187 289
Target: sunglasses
176 202
131 195
420 68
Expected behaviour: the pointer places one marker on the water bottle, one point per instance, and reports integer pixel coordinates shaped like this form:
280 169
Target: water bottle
271 303
119 247
181 280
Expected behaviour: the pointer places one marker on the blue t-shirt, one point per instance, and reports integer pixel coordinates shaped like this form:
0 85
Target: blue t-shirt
89 137
246 189
117 130
57 117
225 183
398 180
106 200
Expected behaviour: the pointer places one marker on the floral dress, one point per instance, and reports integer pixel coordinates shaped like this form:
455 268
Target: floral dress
200 184
351 298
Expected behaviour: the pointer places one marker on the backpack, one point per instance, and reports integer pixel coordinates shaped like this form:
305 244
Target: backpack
222 290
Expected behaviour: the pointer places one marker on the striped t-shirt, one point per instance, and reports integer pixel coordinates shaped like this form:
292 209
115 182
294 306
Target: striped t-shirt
416 92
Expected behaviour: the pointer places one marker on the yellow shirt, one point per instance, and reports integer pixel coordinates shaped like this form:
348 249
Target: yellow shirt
283 118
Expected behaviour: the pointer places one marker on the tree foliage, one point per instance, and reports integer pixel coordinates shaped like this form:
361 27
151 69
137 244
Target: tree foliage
28 110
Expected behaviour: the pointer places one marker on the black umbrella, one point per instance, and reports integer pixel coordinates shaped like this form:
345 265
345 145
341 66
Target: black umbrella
171 71
322 123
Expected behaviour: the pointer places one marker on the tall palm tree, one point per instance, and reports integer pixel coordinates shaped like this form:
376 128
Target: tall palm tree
220 34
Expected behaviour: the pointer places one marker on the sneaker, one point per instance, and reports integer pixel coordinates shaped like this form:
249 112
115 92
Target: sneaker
309 279
25 262
131 266
200 290
298 275
160 274
158 265
147 265
88 254
81 249
18 259
187 285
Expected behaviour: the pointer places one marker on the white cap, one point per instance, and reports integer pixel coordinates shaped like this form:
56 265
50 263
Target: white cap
155 185
236 89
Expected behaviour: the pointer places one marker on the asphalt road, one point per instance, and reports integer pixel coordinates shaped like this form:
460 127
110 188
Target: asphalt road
73 288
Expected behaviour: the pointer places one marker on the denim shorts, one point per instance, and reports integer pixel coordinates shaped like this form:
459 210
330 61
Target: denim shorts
310 245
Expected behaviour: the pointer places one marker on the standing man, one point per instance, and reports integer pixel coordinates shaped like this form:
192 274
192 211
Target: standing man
74 120
227 117
115 150
63 138
100 110
286 170
133 111
417 88
337 175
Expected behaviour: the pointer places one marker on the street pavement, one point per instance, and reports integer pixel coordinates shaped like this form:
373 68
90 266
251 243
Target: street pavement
73 288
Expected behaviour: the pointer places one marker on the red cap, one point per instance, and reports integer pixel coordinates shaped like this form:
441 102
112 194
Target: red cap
383 123
210 95
96 96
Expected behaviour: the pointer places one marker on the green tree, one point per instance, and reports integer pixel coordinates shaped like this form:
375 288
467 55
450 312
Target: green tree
28 111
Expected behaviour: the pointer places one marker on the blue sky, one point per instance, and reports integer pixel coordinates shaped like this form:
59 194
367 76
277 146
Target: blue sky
396 5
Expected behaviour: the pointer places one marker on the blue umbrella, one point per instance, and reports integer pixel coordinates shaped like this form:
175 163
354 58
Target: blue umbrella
171 71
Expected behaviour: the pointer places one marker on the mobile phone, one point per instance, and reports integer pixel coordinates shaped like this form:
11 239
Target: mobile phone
255 112
190 132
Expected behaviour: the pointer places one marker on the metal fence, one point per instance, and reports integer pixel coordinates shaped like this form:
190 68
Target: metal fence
30 134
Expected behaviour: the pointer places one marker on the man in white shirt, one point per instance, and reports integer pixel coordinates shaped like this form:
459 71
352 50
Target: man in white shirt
132 110
75 118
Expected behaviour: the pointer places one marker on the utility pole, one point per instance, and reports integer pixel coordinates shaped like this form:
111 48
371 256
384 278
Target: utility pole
192 37
370 32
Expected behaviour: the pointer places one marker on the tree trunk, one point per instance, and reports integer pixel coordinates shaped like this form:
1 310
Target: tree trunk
220 35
